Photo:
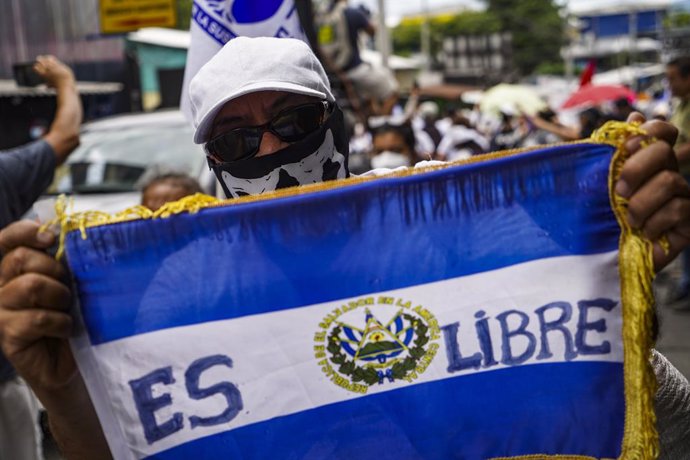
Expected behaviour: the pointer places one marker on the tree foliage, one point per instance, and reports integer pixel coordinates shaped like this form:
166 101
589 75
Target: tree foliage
538 30
407 35
677 20
537 26
184 14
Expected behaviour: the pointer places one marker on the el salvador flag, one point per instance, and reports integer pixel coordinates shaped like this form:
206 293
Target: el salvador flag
490 309
215 22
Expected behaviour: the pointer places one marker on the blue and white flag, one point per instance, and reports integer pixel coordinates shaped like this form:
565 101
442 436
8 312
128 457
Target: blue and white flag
215 22
490 309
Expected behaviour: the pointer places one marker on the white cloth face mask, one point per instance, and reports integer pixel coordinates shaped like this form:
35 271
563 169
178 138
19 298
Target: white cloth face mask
326 163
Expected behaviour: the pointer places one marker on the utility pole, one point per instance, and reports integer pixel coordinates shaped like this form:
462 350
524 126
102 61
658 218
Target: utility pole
632 33
19 42
382 34
633 45
426 35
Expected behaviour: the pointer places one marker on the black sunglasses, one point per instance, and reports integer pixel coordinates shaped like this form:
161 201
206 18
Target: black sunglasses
290 125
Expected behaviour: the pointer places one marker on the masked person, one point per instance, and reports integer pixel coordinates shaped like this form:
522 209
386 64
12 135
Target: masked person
393 144
265 112
265 130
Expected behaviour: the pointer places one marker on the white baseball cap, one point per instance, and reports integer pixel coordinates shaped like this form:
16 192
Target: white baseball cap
247 65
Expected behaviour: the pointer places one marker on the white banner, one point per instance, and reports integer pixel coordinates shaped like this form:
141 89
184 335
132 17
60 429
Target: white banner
215 22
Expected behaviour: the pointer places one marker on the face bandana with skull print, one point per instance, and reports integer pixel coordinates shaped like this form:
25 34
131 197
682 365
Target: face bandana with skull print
319 157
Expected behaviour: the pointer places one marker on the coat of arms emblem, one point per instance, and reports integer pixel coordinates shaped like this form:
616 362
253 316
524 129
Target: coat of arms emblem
366 343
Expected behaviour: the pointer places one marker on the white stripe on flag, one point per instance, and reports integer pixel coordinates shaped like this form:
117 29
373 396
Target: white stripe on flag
214 22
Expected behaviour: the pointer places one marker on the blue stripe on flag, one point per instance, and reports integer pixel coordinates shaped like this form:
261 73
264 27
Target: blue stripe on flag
459 420
381 235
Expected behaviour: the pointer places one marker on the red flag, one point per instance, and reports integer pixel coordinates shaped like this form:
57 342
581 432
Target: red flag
588 73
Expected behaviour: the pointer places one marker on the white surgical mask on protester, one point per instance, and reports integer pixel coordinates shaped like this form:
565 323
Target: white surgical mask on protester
390 160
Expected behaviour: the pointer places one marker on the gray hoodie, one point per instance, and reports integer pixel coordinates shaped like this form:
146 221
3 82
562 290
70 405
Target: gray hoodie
672 404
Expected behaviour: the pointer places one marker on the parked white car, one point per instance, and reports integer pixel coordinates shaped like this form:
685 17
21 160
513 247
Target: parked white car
115 152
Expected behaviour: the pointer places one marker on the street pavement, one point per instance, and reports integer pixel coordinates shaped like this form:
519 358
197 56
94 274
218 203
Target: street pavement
674 320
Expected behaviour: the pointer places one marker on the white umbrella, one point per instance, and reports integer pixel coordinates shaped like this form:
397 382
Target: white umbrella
512 98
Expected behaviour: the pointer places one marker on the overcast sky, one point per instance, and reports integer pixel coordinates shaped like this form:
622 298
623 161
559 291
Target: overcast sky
398 8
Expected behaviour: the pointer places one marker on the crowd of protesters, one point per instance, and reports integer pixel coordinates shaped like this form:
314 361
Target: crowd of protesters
391 131
465 132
